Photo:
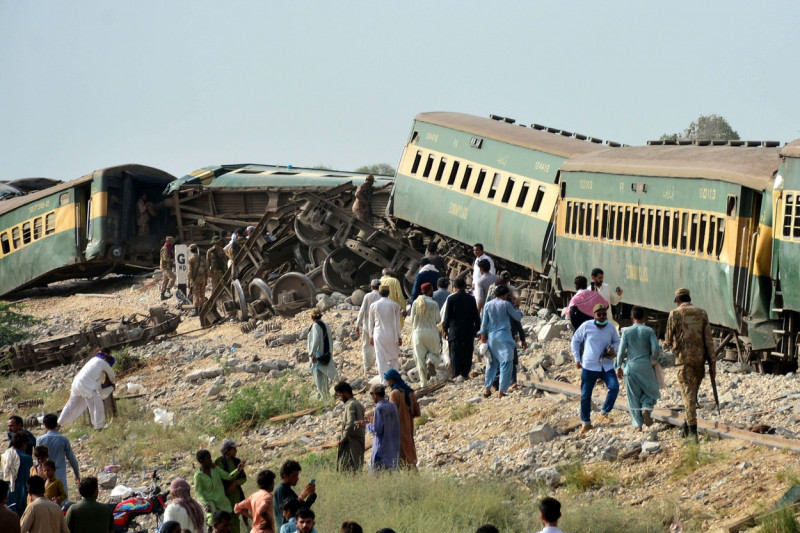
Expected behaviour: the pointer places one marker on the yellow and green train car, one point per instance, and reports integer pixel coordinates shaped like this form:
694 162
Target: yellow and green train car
481 180
81 229
656 218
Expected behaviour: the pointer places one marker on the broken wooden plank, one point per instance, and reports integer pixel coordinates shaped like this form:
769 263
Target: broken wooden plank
296 414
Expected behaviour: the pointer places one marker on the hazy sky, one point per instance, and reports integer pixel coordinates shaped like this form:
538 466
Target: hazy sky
180 85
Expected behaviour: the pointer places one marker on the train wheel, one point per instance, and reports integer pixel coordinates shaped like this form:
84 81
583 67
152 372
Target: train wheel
241 301
318 279
292 293
343 271
309 235
318 254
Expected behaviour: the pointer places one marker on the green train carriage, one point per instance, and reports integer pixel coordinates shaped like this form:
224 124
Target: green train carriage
656 218
481 180
80 229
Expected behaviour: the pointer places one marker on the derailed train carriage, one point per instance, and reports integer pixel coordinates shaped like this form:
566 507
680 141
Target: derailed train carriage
80 229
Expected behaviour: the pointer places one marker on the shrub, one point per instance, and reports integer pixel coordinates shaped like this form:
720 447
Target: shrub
12 323
579 479
126 361
255 405
462 411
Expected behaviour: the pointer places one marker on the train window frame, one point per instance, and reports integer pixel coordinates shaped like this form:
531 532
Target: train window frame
465 180
454 172
648 237
788 204
730 206
426 173
796 224
509 188
50 223
642 220
597 217
5 243
467 174
620 219
634 231
568 218
626 225
701 235
676 230
539 198
574 228
37 228
479 185
27 234
581 218
523 194
16 239
665 226
440 171
63 199
604 225
89 224
693 234
657 229
416 162
720 236
589 218
712 234
494 186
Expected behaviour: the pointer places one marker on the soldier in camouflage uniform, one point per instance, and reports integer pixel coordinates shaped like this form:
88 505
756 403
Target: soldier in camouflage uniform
197 275
167 265
217 262
689 335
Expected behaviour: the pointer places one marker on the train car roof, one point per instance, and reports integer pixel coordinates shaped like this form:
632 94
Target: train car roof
152 173
751 167
551 143
791 149
262 176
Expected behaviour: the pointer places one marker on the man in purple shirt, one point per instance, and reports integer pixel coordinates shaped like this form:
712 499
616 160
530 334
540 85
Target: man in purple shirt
385 427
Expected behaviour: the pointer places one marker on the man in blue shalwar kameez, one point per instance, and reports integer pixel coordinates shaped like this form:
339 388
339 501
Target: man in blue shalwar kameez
637 349
496 332
385 426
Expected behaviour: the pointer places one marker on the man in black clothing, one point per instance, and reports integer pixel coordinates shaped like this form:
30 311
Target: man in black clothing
15 425
459 328
432 255
290 475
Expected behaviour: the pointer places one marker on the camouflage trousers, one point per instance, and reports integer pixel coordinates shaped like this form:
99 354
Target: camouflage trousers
216 277
690 375
199 292
167 279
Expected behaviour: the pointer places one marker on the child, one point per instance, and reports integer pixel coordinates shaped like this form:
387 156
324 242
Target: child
258 506
289 508
221 522
551 512
53 487
40 456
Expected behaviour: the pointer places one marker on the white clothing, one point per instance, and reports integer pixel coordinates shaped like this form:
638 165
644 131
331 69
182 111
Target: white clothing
367 350
323 374
608 295
428 268
476 272
551 529
425 337
10 467
87 392
177 513
383 324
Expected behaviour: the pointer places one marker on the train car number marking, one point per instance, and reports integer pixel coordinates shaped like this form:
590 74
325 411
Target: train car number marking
636 273
586 184
669 194
708 193
458 210
544 167
502 160
432 137
44 204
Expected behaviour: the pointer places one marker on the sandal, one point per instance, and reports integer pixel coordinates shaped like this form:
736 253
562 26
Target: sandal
487 393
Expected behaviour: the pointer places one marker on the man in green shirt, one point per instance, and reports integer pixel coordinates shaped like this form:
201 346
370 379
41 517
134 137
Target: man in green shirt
88 516
208 484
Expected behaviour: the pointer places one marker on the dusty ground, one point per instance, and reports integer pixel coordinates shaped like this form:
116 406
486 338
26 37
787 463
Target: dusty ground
490 438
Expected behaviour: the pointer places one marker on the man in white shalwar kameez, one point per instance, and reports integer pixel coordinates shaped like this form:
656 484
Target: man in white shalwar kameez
88 392
367 350
323 371
425 319
383 324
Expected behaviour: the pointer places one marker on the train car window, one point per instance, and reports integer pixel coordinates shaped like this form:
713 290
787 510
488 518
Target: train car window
63 199
693 236
676 229
712 232
626 225
618 233
89 224
5 243
414 136
604 225
49 223
428 166
417 159
596 228
731 209
665 229
537 202
701 237
495 185
787 215
15 238
440 172
720 236
26 232
581 218
657 229
523 194
507 193
568 218
37 227
468 175
479 183
454 173
589 220
640 235
796 228
649 235
634 224
574 229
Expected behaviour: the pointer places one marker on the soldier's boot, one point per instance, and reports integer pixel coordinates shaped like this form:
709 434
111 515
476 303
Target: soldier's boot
163 296
693 433
684 430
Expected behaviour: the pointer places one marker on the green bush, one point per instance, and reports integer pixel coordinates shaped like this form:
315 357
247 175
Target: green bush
255 405
126 361
782 520
12 323
462 411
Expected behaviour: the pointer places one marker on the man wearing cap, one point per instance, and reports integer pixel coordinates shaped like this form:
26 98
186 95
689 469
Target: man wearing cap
425 319
367 350
385 426
362 207
689 335
383 325
228 462
600 342
197 274
217 261
167 266
428 273
320 354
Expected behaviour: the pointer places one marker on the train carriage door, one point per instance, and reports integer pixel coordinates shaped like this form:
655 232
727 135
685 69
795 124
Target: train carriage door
83 208
749 211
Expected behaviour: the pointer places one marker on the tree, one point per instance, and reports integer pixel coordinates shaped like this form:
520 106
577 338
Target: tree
706 127
383 169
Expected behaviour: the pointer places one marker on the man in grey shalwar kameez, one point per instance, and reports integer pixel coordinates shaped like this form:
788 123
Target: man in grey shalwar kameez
350 455
320 356
637 350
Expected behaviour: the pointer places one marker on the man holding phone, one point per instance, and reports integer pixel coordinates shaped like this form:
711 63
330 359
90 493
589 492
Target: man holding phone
290 475
604 289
